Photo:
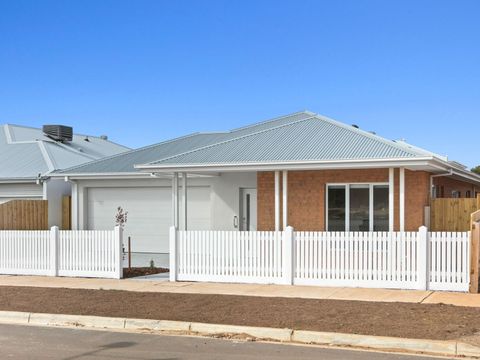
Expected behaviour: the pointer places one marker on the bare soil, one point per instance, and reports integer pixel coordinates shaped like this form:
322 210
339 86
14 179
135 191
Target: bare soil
438 322
142 271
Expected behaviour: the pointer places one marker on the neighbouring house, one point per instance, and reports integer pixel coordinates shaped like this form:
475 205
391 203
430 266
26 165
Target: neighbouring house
29 155
303 170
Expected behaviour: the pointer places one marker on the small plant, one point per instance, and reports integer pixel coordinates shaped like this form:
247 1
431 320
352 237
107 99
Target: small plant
121 217
152 264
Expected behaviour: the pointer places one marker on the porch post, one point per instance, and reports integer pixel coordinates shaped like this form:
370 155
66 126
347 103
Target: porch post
285 199
402 199
184 199
175 200
277 200
391 199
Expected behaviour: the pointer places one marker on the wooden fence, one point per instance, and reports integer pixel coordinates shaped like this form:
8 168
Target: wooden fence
452 214
24 215
475 253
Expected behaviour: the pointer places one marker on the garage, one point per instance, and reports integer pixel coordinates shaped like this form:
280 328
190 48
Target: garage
149 215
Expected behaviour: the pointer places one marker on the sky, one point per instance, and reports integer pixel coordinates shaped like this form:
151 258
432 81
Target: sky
146 71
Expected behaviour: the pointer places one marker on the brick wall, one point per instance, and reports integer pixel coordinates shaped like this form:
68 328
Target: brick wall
449 185
306 196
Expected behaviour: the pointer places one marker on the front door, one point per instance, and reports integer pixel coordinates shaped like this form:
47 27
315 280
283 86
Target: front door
248 210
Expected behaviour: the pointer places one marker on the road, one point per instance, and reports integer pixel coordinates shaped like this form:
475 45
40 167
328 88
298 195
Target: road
28 342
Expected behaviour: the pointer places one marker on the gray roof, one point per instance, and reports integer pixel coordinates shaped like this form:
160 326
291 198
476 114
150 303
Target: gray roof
26 152
311 138
300 136
125 162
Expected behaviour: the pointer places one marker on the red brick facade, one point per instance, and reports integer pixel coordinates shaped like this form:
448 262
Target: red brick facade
445 187
306 196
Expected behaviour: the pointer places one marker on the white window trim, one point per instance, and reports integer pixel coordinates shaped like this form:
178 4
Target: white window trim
347 202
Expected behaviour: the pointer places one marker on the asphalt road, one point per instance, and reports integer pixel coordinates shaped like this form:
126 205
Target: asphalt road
28 342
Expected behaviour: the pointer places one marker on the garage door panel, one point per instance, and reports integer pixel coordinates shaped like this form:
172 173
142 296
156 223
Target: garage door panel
149 213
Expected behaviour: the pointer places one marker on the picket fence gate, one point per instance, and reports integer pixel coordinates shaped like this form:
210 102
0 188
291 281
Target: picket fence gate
396 260
74 253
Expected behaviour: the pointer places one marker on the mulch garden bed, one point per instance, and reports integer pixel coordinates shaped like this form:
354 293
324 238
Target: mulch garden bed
142 271
439 322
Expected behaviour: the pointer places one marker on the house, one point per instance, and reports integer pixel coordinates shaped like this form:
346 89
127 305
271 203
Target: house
28 155
302 169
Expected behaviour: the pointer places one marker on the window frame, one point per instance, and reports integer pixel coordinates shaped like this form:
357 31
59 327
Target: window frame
371 206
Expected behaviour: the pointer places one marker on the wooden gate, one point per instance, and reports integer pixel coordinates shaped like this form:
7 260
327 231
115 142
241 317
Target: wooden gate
453 214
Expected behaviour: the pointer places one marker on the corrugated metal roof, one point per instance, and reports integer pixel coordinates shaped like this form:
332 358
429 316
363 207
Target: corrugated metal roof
308 139
26 152
125 162
299 136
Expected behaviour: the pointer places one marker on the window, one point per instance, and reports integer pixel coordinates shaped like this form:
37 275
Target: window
468 194
358 207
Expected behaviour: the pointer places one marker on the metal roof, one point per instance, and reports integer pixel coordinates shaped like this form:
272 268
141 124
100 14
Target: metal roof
312 138
25 152
125 162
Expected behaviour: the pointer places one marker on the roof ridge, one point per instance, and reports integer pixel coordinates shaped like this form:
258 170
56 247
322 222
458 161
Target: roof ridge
366 133
51 164
272 120
130 152
230 140
313 116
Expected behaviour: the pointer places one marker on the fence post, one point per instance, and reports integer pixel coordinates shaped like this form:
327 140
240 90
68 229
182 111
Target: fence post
474 257
173 253
287 255
118 239
54 242
423 264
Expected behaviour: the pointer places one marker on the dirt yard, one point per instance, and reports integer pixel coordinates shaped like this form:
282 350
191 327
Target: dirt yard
440 322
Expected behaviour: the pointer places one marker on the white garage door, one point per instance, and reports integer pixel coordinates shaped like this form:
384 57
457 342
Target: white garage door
149 213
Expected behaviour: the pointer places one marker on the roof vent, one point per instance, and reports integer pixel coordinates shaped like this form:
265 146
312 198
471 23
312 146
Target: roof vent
355 126
60 133
104 137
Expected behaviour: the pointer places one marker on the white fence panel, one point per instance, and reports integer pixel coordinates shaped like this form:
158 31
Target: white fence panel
229 256
62 253
449 261
359 259
88 253
25 252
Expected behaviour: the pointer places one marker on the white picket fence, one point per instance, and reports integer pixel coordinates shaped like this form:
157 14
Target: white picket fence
226 256
396 260
75 253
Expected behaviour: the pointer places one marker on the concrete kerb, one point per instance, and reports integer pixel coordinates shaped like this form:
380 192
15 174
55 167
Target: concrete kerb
379 343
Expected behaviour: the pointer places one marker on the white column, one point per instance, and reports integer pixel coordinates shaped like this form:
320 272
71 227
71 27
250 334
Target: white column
175 200
402 199
184 199
285 199
391 198
277 200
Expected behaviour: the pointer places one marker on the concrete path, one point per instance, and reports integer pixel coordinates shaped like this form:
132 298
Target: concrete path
306 292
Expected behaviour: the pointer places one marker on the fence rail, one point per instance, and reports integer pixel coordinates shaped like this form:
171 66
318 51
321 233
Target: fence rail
89 253
397 260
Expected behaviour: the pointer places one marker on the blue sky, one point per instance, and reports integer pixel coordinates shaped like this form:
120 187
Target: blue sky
145 71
